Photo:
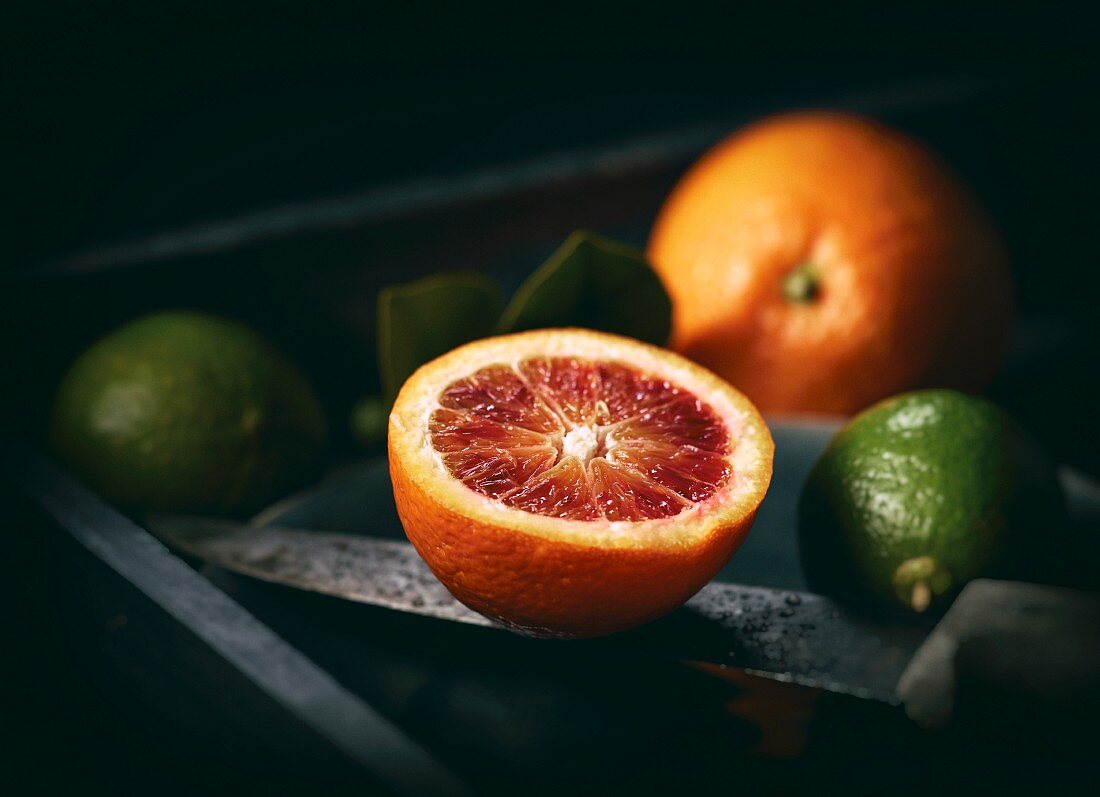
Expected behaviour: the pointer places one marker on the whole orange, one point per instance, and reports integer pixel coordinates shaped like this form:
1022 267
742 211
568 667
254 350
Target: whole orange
821 261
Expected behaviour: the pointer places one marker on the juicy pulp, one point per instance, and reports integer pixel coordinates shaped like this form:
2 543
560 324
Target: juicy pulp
581 439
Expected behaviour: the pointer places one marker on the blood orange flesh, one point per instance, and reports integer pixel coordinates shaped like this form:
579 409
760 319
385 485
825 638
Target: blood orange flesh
570 483
581 439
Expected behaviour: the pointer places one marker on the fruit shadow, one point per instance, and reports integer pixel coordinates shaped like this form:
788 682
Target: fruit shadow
496 705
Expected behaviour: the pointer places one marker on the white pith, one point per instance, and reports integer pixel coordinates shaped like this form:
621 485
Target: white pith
749 440
581 442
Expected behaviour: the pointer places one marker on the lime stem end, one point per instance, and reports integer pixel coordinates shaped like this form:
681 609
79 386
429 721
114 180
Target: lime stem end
920 597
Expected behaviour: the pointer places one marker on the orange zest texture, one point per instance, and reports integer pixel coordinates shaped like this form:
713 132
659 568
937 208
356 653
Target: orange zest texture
821 262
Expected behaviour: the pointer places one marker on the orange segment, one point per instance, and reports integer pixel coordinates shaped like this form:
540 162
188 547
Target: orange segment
563 491
498 394
688 471
489 457
541 436
622 493
569 386
572 483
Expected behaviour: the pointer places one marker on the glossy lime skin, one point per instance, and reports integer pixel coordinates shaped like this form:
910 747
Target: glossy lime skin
934 486
190 412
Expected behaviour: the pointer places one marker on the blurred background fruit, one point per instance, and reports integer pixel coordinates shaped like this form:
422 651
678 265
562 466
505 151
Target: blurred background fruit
923 492
368 421
187 411
821 262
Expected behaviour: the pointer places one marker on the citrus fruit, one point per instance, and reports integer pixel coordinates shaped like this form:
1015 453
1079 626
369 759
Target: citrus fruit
821 262
573 483
921 493
186 411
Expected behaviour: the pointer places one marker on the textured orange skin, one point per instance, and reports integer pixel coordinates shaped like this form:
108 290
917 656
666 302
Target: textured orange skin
915 287
553 588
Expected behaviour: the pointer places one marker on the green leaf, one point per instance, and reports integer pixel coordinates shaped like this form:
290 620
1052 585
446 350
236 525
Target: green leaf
594 283
419 321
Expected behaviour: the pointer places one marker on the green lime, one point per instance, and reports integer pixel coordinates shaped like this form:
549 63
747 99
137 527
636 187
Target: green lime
921 493
187 411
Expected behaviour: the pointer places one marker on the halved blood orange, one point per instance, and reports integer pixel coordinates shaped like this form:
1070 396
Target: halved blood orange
573 483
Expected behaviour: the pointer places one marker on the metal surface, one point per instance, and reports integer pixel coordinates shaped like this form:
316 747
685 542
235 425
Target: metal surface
666 149
383 573
1037 643
316 541
789 636
358 500
284 674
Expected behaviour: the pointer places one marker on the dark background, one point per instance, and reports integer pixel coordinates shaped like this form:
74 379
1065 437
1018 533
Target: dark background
129 122
130 119
122 123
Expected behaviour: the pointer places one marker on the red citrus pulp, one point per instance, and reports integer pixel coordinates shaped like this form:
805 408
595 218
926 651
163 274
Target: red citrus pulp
572 483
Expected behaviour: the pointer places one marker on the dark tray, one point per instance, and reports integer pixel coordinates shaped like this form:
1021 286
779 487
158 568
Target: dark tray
210 673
